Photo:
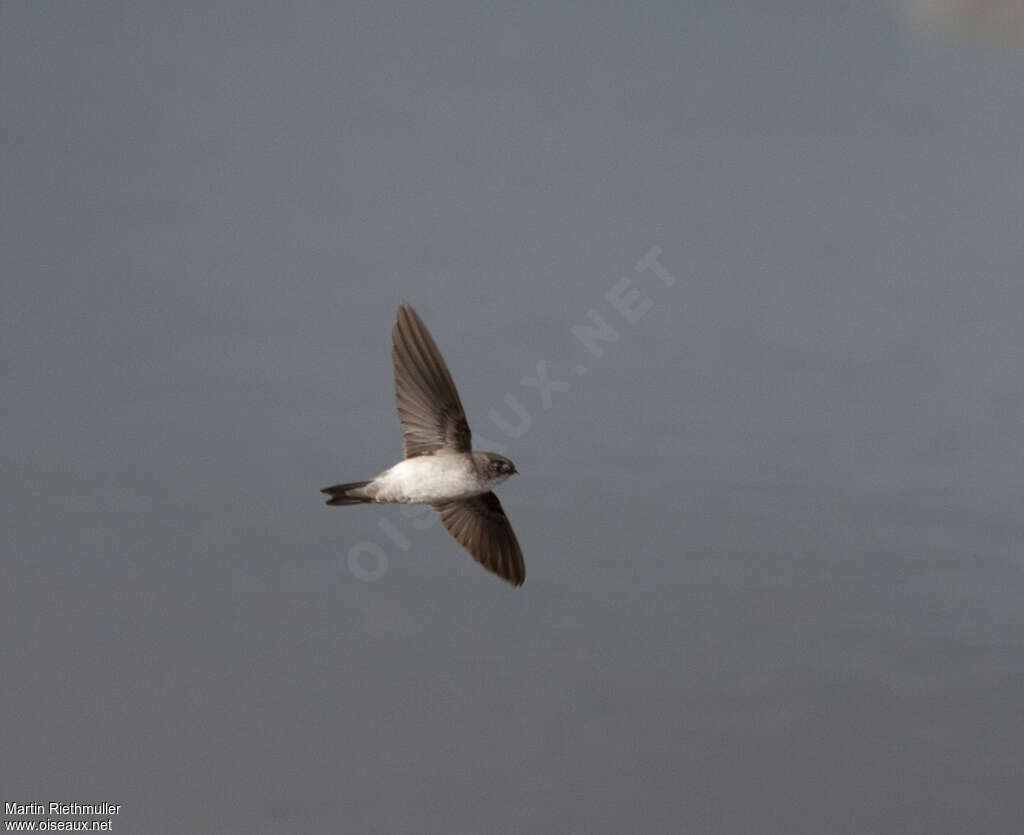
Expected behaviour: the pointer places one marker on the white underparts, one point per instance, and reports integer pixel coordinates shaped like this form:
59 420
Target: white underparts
427 479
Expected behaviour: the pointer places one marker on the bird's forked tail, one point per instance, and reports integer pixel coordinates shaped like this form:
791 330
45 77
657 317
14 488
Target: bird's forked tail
351 493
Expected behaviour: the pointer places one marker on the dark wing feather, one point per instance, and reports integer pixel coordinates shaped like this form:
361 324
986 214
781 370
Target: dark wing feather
481 527
429 408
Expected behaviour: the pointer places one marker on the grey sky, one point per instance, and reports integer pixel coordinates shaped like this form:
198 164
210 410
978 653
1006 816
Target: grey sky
773 533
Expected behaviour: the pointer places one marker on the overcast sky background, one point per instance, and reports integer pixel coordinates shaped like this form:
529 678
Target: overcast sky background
772 534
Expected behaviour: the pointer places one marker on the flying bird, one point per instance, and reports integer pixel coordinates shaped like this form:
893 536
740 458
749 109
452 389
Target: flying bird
440 467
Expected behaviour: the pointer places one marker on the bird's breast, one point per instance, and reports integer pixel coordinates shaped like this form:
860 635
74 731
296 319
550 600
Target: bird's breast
428 479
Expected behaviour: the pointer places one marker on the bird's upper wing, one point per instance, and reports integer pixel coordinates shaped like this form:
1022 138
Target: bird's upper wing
482 528
428 405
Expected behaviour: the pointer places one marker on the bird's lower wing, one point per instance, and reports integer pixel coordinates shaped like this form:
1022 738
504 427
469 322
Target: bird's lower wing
480 525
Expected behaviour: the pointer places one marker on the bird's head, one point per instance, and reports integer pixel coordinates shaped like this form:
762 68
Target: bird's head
498 467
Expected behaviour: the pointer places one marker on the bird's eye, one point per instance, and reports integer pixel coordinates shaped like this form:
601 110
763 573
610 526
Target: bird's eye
496 465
